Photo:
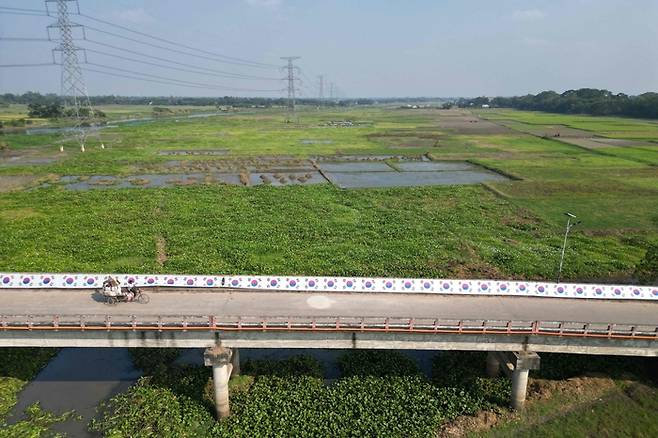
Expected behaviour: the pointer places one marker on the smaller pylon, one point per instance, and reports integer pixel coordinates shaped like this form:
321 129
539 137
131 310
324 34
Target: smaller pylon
290 68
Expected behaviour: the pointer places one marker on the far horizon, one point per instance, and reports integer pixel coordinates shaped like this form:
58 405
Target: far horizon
416 49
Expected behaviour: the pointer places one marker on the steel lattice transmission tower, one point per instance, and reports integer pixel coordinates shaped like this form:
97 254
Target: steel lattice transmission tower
321 93
72 86
291 69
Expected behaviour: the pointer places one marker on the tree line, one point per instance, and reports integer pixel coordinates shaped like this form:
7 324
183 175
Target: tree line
55 110
235 101
47 99
583 101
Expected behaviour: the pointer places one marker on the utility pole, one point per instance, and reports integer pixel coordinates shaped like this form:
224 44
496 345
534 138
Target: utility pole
290 68
569 226
72 84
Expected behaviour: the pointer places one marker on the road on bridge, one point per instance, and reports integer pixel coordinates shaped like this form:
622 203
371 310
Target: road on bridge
229 302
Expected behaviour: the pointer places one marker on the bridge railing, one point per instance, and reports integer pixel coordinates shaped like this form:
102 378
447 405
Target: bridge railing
128 322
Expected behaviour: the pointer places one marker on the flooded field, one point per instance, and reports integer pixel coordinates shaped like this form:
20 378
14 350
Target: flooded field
188 152
345 174
348 180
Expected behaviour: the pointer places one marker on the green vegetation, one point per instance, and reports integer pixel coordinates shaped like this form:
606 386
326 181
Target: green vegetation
506 229
583 101
618 399
647 270
443 231
380 393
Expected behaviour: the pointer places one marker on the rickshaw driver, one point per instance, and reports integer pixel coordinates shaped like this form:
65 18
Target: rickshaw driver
131 290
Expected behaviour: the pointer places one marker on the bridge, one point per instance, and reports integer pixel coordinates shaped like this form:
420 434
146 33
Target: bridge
511 324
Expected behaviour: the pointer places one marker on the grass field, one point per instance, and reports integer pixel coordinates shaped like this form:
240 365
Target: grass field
508 229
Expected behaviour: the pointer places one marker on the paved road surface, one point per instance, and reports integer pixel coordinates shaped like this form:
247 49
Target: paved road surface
254 303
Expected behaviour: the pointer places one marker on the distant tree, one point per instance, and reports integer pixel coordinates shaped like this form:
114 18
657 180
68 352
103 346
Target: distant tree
582 101
45 110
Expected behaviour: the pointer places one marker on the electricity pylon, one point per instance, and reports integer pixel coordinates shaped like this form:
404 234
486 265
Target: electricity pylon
290 68
72 85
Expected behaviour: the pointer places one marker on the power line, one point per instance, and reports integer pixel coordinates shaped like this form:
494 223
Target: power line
209 86
24 39
146 80
225 58
28 65
32 14
158 58
155 64
23 9
156 46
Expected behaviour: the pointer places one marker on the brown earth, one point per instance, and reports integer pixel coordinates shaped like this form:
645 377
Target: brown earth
160 250
469 125
580 391
10 183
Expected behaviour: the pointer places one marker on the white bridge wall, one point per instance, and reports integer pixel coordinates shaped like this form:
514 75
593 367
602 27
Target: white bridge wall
338 284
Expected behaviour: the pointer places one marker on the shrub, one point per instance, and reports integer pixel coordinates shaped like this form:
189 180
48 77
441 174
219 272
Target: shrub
153 360
378 363
151 411
294 366
284 401
464 370
647 270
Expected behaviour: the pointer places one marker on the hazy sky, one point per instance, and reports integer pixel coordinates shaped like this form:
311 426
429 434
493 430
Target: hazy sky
367 47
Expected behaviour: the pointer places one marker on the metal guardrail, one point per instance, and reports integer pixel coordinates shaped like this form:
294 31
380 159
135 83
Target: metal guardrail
160 323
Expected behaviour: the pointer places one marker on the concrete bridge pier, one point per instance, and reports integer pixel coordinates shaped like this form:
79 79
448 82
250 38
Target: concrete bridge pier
516 365
220 359
519 388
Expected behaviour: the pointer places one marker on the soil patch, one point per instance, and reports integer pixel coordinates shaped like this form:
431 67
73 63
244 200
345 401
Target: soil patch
288 178
19 213
10 183
469 125
160 250
556 131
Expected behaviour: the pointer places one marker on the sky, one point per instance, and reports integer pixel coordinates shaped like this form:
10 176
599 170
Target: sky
367 48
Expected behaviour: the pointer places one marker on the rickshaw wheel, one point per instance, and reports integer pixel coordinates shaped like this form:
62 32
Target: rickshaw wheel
111 301
143 299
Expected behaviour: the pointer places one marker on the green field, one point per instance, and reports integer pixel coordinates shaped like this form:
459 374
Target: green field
509 229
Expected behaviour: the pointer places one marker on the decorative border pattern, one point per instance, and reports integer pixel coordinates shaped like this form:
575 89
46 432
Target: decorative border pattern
339 284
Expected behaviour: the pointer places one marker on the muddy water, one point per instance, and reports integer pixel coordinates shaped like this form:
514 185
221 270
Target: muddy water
78 379
25 161
286 178
432 166
186 152
346 166
410 179
343 174
146 181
